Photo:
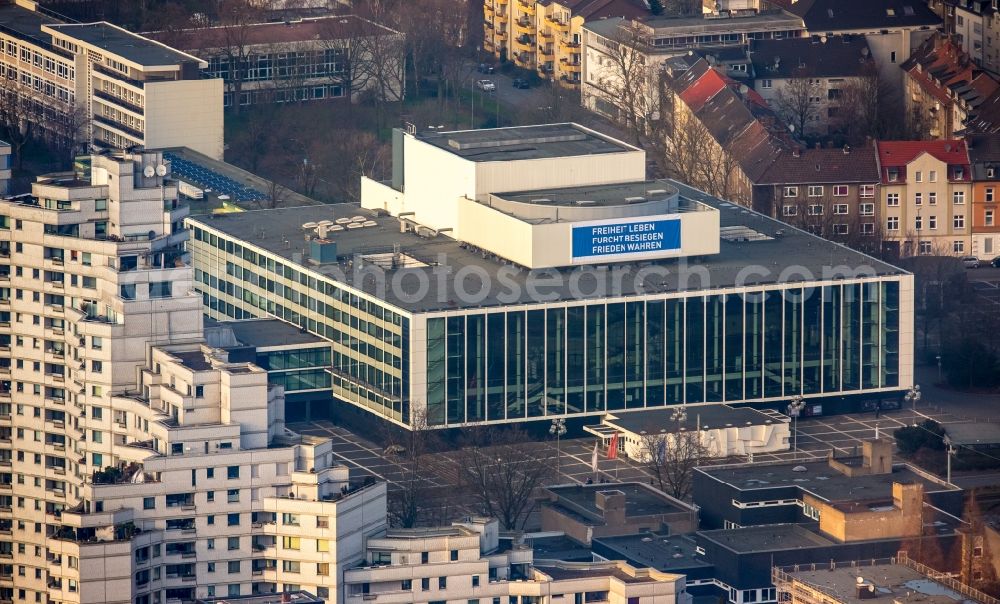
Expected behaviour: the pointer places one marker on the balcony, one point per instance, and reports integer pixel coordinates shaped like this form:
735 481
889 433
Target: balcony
562 26
117 101
569 45
103 121
524 26
526 6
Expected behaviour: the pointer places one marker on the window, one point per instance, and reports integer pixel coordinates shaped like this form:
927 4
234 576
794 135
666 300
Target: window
932 222
233 519
425 584
867 209
867 191
977 552
791 191
840 208
990 172
199 392
406 584
290 543
918 199
789 210
815 210
290 519
442 582
932 198
988 217
932 176
475 580
323 569
989 194
233 496
424 556
892 57
149 503
290 566
454 555
840 191
840 229
958 246
868 228
893 174
210 473
918 176
892 199
918 222
892 223
959 221
232 472
958 197
815 190
233 543
766 84
323 545
233 567
959 173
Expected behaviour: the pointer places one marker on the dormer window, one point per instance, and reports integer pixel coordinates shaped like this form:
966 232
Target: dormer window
959 173
893 174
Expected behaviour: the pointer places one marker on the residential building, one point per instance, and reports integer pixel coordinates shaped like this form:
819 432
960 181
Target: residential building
755 516
296 61
661 39
984 155
944 89
832 193
101 84
898 577
806 80
926 197
466 562
586 511
545 35
212 496
500 205
893 28
722 430
123 434
6 163
733 496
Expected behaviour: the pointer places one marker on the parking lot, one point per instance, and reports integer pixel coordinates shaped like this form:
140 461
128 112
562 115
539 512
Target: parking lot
570 459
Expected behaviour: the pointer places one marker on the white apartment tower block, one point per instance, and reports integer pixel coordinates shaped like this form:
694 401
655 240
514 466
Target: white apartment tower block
138 465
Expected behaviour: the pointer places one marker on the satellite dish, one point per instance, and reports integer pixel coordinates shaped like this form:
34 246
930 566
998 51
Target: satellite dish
148 171
860 580
161 170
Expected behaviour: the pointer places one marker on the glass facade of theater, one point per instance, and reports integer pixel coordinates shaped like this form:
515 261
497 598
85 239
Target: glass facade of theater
559 360
370 341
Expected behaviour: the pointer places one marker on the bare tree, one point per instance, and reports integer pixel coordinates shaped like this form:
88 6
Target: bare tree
628 82
671 459
20 114
236 18
502 471
353 72
412 496
797 101
386 57
65 128
275 197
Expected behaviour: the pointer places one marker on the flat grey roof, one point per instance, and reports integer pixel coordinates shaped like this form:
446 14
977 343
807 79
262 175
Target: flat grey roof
767 537
266 333
819 479
895 581
973 433
124 43
599 195
280 232
653 421
640 499
662 552
25 23
524 142
560 547
666 26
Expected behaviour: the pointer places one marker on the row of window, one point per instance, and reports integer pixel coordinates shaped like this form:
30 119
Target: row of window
957 222
840 209
957 197
33 57
865 191
893 174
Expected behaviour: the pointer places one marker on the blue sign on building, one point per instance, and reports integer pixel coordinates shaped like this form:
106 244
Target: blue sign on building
640 238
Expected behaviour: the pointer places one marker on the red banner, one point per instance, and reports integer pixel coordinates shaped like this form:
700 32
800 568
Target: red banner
613 447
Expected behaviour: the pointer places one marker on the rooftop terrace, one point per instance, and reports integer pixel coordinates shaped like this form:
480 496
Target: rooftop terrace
750 240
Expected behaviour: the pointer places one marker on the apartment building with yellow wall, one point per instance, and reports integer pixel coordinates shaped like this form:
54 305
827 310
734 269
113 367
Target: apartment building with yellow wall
545 36
926 197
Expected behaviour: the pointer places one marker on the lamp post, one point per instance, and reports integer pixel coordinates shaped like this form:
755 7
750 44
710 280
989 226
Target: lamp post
912 396
795 407
939 368
680 416
950 450
558 429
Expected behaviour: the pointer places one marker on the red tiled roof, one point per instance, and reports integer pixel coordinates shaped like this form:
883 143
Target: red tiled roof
707 86
822 166
900 153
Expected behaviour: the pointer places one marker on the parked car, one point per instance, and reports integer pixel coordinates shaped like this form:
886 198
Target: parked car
995 263
970 262
521 83
485 68
486 85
